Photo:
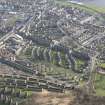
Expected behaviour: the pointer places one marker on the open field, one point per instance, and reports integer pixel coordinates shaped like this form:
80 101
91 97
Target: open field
47 98
90 8
73 98
100 84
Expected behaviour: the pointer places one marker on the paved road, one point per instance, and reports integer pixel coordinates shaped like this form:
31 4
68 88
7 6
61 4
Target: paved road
90 83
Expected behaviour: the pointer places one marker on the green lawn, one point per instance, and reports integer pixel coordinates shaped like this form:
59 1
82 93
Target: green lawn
80 62
100 92
11 21
102 65
100 85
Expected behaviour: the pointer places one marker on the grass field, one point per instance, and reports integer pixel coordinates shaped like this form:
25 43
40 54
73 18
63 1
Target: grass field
100 85
96 8
90 8
3 104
